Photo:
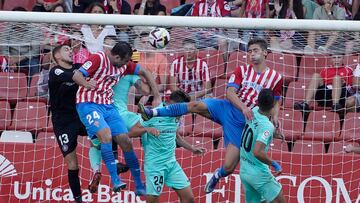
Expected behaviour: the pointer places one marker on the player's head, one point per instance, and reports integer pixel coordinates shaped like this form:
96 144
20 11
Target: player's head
62 54
190 48
109 43
337 59
179 96
257 51
266 100
120 54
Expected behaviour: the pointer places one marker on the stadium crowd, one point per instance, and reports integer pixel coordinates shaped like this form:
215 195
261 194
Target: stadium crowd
27 48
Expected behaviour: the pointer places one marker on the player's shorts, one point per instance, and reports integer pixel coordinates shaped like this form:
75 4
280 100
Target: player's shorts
170 174
323 96
230 117
66 130
264 186
130 118
96 117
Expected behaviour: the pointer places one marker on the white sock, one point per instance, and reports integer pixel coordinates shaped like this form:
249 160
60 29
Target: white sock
155 112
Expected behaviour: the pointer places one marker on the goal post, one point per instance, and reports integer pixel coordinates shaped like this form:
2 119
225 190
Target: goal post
315 166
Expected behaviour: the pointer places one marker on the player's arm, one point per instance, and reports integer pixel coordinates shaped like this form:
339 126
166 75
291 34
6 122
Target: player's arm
142 87
153 86
79 79
138 130
182 143
275 117
207 84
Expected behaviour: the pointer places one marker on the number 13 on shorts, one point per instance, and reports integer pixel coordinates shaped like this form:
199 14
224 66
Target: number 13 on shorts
92 117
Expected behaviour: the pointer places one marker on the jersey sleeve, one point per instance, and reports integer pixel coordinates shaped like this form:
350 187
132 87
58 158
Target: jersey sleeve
265 133
278 89
132 68
58 75
91 65
235 78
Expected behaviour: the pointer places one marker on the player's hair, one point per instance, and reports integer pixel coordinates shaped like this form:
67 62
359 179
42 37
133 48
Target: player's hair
259 41
57 50
188 41
122 49
94 4
179 96
266 100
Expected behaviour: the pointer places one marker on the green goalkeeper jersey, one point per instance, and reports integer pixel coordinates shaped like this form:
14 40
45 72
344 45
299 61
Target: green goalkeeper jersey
121 91
160 149
259 129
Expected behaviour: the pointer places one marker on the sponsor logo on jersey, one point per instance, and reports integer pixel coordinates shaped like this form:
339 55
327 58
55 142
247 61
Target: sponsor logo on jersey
232 78
87 65
266 135
58 71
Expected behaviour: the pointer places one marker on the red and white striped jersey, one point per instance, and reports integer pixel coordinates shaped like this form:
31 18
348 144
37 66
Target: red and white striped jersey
211 8
249 83
99 68
192 79
4 64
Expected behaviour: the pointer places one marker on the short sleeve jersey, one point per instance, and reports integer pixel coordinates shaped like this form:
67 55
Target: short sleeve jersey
121 91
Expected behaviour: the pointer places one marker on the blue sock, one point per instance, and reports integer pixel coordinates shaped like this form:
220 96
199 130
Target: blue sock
133 163
173 110
108 157
221 173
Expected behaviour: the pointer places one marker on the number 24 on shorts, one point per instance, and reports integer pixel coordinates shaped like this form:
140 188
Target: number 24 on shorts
90 117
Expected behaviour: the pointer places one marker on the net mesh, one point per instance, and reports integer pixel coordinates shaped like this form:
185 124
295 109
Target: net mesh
316 169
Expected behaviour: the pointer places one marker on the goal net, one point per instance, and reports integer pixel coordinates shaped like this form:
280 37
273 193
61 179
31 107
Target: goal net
315 166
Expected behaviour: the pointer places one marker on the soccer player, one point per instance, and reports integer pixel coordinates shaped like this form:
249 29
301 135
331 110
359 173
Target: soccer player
160 164
97 111
63 85
243 88
254 162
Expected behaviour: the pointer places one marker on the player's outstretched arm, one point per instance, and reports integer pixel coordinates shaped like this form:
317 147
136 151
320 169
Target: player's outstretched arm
350 148
233 98
259 153
79 79
182 143
142 87
153 86
138 130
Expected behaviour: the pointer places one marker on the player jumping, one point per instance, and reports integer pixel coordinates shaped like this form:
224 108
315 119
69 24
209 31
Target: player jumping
254 162
160 164
97 111
243 88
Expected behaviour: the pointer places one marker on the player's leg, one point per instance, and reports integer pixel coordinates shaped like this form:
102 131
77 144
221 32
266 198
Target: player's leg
120 136
266 184
92 116
185 195
251 195
279 199
176 178
154 182
175 110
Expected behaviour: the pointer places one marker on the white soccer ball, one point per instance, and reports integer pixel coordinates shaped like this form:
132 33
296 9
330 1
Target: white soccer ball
159 38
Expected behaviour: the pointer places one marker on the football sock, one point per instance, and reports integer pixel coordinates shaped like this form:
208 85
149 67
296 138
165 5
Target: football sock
133 163
173 110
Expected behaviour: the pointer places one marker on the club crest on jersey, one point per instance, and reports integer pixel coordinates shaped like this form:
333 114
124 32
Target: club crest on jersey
87 65
266 135
58 71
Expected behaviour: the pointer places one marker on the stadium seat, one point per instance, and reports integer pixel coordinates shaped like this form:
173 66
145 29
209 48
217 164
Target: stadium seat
295 92
13 86
312 64
170 4
339 147
308 147
205 142
219 90
27 4
291 124
285 64
352 60
29 116
16 137
49 125
215 62
136 143
206 128
186 125
322 126
33 86
351 127
5 115
278 145
46 138
236 59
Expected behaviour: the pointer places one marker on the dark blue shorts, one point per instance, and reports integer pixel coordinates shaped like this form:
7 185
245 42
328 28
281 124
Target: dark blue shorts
96 117
230 117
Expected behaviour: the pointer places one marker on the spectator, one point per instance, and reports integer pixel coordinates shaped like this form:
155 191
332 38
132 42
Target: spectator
149 7
326 41
46 5
8 64
309 8
330 87
190 73
59 8
353 102
94 34
347 6
80 53
154 61
117 6
286 38
22 41
355 11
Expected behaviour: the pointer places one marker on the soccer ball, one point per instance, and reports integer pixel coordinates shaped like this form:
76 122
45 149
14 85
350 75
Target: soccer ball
159 38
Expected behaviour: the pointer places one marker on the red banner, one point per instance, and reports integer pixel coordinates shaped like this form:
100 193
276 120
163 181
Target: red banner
37 173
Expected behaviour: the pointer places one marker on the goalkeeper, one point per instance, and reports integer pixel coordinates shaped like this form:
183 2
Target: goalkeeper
160 164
